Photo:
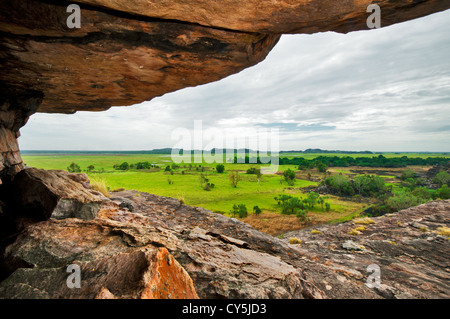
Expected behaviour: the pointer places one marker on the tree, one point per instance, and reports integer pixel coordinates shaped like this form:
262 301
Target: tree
403 200
220 168
312 199
289 176
302 215
234 179
254 170
240 210
74 168
291 205
442 178
321 167
321 201
282 198
143 165
90 168
443 192
408 173
124 166
257 210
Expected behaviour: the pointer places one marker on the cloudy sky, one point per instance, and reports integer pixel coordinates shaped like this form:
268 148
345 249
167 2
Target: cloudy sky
378 90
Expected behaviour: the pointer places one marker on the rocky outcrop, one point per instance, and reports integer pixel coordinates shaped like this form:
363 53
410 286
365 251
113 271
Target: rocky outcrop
165 249
127 52
301 16
139 245
16 105
411 247
149 273
220 266
114 59
41 194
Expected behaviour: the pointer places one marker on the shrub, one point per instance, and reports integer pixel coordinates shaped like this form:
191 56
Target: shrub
181 199
257 210
408 174
403 200
123 167
90 168
282 198
292 206
254 170
302 216
442 178
74 168
220 168
143 165
240 210
289 176
321 167
365 185
208 186
316 232
443 192
422 192
234 179
312 199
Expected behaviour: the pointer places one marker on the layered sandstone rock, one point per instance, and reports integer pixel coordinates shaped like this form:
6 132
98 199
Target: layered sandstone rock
286 16
114 59
42 194
411 249
127 52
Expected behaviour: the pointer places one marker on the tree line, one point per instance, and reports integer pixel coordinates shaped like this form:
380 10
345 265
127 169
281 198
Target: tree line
322 162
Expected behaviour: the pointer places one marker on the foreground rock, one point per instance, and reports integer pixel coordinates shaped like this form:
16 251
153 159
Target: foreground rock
411 247
156 250
301 16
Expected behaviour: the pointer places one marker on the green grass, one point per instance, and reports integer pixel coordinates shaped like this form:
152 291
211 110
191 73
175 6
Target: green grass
220 198
223 196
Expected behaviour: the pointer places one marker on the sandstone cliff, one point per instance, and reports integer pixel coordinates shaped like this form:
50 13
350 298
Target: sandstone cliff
140 245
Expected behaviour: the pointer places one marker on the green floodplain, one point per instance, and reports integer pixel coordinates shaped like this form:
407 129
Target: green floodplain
203 186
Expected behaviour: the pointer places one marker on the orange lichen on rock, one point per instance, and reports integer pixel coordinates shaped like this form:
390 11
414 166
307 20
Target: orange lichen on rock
168 280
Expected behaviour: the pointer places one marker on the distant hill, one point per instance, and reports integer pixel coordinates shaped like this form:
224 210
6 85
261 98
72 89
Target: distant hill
320 151
168 151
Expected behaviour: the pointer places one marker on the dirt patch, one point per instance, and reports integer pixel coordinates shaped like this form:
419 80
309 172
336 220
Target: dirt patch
274 224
